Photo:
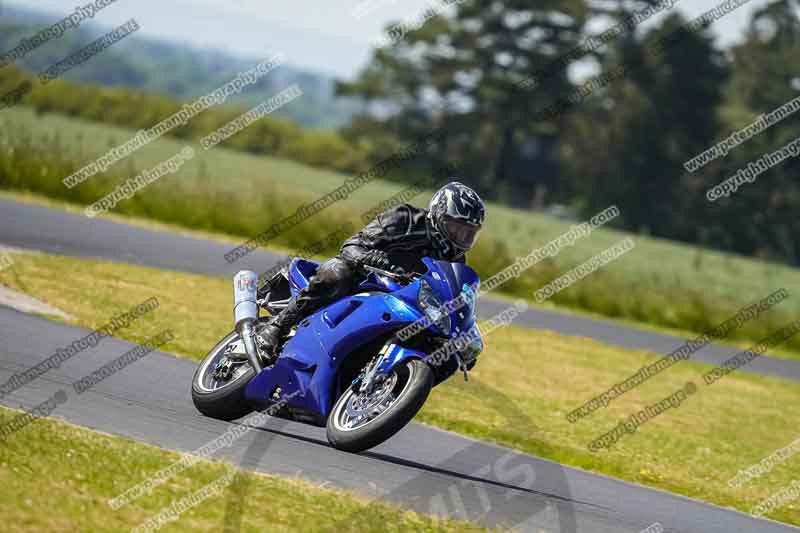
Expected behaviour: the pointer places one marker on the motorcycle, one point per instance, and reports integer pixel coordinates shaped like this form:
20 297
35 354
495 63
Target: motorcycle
345 367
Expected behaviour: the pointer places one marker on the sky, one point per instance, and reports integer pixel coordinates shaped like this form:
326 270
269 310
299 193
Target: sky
328 36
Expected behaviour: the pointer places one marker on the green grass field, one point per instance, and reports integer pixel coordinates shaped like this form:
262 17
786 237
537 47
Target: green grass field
55 477
693 450
222 191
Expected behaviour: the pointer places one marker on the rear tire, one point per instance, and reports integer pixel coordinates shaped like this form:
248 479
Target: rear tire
227 402
413 392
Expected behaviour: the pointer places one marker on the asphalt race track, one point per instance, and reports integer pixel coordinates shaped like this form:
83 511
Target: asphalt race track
59 232
149 401
421 467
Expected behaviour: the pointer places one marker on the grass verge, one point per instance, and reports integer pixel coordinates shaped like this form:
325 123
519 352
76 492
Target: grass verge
693 450
58 477
241 195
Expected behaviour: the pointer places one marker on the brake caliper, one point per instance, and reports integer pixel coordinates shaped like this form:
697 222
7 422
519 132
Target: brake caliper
223 370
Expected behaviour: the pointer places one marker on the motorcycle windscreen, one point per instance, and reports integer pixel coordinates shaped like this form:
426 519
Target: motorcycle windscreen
449 280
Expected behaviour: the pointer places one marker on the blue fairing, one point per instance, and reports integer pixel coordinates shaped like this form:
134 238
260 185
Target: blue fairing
300 271
311 360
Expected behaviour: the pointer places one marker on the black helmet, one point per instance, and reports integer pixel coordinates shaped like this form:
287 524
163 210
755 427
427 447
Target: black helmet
456 213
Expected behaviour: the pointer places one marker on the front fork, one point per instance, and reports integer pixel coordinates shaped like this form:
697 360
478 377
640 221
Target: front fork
373 374
387 359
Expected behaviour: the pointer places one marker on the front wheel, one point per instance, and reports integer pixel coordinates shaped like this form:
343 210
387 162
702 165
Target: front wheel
359 422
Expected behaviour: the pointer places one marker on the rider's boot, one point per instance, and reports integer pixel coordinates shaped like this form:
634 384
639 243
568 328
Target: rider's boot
271 336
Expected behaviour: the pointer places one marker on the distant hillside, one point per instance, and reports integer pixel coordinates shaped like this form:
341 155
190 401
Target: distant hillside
177 70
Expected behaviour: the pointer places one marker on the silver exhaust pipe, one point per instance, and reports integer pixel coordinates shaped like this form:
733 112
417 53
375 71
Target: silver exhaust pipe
245 313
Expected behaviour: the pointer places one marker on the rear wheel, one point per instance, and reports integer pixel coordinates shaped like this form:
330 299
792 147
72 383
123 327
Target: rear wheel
361 421
219 382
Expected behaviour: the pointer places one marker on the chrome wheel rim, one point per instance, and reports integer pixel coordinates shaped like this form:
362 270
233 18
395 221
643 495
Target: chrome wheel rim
356 411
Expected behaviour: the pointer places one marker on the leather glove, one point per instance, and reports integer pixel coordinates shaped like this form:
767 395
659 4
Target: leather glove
380 259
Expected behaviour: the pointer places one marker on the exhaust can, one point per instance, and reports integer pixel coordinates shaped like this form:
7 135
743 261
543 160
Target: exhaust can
245 301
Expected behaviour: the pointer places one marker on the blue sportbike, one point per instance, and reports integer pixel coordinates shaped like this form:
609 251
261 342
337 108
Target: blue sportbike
346 367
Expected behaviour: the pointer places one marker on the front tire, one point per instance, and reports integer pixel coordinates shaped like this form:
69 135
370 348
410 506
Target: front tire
223 400
412 382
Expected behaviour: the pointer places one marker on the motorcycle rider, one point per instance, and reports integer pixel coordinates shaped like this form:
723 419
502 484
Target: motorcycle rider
396 240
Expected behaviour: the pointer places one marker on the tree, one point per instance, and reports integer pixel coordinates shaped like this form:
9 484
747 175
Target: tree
760 218
467 75
628 145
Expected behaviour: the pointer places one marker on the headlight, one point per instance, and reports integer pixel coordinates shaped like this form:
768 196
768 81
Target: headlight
432 307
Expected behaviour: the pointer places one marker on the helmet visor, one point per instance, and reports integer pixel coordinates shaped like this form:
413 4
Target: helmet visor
460 232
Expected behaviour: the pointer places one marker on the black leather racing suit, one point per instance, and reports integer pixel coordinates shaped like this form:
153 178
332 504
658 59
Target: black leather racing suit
402 232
